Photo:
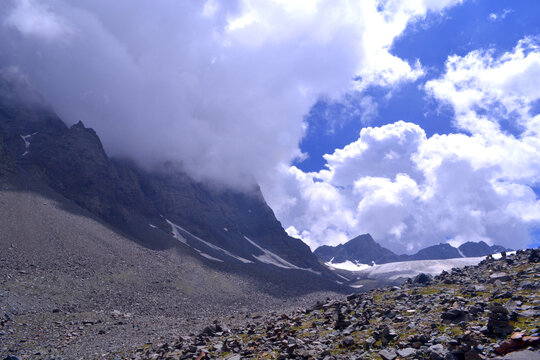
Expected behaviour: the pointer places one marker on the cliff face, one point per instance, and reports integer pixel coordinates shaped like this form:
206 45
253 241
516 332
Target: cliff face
225 225
7 165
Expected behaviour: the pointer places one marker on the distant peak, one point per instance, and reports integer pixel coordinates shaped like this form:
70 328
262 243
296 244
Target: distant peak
79 125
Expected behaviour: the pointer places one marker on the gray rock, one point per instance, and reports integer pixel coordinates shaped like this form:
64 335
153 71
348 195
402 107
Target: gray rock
387 355
406 352
501 276
521 355
422 279
438 349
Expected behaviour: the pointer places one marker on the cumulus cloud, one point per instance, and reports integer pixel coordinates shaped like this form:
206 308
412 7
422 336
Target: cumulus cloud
220 87
410 191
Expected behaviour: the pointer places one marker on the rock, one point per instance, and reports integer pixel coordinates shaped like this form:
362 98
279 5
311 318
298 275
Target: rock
498 321
11 357
501 276
522 355
517 341
534 256
455 316
341 322
437 352
406 352
422 279
387 355
348 341
472 355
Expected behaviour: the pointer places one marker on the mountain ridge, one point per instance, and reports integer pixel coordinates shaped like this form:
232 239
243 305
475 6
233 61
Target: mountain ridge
363 249
141 203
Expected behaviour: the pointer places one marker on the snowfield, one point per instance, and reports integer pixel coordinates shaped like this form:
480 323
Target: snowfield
347 265
404 269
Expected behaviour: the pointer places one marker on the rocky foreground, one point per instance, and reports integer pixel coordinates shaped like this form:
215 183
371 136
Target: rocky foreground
477 312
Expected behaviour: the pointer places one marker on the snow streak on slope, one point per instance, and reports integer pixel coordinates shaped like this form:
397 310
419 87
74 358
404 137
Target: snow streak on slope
27 142
176 233
269 257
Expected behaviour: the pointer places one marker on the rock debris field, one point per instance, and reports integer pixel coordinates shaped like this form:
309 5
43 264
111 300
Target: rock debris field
478 312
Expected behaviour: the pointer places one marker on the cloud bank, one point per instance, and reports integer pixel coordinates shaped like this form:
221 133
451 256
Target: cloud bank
220 87
410 191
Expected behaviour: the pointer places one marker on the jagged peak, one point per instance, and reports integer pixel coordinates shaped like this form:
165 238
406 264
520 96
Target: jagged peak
79 125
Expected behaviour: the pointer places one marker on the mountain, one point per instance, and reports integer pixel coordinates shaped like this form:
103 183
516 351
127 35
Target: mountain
230 229
362 249
472 249
436 252
109 253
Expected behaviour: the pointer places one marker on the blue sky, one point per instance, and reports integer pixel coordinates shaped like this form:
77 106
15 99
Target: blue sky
458 30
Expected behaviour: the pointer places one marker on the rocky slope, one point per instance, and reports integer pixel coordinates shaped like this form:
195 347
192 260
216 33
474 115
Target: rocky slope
472 313
72 286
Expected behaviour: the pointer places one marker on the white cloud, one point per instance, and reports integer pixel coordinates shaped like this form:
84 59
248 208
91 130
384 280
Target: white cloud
219 86
410 191
34 19
500 16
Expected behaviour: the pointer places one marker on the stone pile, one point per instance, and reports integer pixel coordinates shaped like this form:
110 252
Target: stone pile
499 322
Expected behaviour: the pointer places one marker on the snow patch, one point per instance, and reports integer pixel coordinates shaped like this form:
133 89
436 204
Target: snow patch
269 257
225 229
176 229
497 256
26 139
347 265
209 256
460 252
153 226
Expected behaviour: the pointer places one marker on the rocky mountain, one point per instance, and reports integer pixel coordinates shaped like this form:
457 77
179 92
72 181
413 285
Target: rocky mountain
158 209
364 250
474 313
440 251
472 249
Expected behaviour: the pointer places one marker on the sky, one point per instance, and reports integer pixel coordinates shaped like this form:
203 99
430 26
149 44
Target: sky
415 121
